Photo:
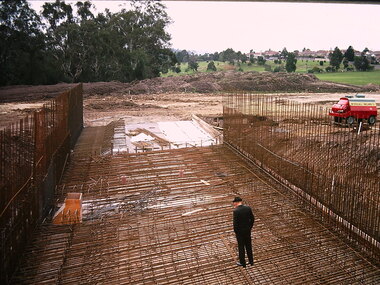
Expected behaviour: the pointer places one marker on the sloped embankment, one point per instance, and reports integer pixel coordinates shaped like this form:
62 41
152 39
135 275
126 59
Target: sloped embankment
227 81
199 83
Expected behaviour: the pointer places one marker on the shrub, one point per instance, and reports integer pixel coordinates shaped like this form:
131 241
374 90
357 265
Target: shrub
261 60
330 69
315 69
211 66
279 69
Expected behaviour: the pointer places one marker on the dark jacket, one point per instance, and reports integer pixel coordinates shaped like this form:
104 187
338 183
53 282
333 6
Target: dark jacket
243 219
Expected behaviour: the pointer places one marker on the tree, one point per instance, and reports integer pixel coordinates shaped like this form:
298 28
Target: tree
193 65
84 10
182 56
228 55
279 68
361 63
57 13
177 68
291 62
127 45
22 45
239 55
336 58
345 63
244 58
350 54
365 50
211 66
215 56
284 53
251 56
124 46
261 60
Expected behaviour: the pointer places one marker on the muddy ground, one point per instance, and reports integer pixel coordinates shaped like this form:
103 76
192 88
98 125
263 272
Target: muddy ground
174 98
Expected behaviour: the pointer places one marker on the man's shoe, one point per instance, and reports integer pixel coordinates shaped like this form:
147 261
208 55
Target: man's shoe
239 264
251 263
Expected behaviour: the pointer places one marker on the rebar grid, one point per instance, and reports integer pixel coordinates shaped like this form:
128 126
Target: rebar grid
33 154
144 223
334 167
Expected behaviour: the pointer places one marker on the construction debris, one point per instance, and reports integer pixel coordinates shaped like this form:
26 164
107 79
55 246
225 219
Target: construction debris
71 211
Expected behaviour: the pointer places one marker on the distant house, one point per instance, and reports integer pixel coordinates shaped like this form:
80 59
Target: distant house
322 54
254 54
376 54
271 54
311 55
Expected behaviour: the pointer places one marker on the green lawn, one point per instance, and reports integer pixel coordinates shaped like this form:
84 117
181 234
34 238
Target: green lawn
304 65
352 77
220 66
355 78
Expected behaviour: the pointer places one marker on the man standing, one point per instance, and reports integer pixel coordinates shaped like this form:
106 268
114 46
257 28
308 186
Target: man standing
243 223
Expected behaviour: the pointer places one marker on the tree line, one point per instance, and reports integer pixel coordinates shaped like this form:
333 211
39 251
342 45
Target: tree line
69 43
234 58
286 61
349 60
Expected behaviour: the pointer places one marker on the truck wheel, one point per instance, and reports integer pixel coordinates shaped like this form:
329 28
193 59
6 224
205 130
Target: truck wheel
350 120
371 120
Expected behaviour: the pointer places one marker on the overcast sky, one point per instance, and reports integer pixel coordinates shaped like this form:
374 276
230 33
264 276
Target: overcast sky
214 26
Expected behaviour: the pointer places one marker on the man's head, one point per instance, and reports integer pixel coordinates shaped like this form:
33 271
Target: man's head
237 201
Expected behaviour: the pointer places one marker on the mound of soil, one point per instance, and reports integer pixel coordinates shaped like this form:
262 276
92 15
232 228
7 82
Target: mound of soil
199 83
28 93
227 81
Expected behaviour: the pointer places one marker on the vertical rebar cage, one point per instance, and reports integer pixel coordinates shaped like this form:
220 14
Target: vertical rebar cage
33 153
335 169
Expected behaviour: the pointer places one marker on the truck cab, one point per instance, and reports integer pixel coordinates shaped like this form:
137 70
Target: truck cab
342 106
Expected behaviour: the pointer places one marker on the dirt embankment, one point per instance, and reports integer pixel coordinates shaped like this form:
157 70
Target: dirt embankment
198 83
171 98
227 81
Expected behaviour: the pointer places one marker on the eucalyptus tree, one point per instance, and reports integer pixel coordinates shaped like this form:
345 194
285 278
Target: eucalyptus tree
22 43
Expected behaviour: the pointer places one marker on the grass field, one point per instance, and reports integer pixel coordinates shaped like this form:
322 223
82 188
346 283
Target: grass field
220 66
355 78
302 66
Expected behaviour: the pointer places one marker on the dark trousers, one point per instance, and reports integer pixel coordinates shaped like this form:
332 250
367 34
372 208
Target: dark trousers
244 243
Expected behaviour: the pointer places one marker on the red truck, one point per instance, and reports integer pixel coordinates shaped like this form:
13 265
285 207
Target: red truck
350 109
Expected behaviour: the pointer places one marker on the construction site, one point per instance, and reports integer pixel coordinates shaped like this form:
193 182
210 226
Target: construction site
141 192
